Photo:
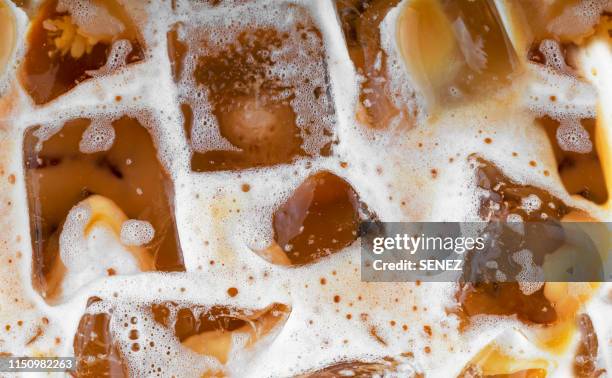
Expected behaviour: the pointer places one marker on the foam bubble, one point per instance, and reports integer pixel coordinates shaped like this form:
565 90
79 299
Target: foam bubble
136 232
71 238
530 278
572 136
90 254
117 58
579 18
531 203
99 136
91 18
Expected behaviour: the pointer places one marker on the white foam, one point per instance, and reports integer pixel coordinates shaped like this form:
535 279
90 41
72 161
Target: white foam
92 255
530 277
117 58
531 203
391 170
572 136
579 18
99 136
136 232
91 18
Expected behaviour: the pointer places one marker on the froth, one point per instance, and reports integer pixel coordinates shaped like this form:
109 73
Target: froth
396 172
117 58
99 136
136 232
91 17
90 251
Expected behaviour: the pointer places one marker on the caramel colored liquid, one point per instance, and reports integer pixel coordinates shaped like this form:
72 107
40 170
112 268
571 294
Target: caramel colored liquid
176 52
585 362
47 73
360 23
186 324
455 49
210 331
95 352
59 176
320 218
506 298
581 173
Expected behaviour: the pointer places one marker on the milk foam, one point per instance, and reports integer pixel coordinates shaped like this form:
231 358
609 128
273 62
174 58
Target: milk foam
136 232
391 171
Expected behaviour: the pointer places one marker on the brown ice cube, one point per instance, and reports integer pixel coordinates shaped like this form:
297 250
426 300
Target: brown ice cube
454 49
62 47
321 217
361 21
259 97
60 175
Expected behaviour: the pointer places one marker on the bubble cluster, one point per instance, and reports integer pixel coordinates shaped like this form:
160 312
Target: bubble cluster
99 136
91 17
136 232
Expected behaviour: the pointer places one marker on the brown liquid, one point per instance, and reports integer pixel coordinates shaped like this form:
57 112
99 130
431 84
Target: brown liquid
186 324
216 318
95 352
455 48
320 218
209 331
176 52
507 194
60 176
360 23
580 173
506 298
48 73
256 108
21 3
585 362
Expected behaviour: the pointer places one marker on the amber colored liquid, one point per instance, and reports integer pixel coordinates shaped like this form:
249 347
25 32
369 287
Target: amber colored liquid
188 321
454 49
176 52
360 23
186 324
95 352
98 355
506 298
483 22
585 362
47 74
60 176
320 218
581 174
253 112
209 330
21 3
